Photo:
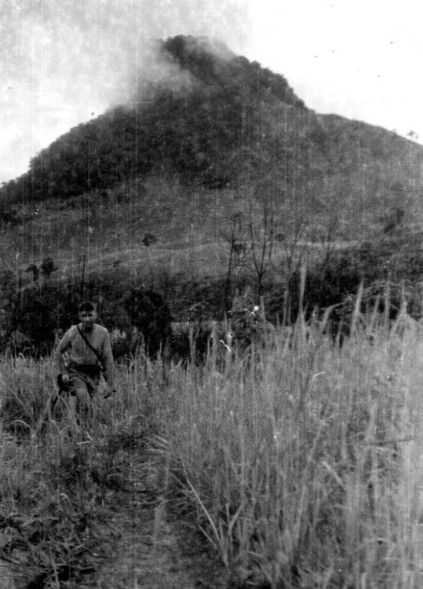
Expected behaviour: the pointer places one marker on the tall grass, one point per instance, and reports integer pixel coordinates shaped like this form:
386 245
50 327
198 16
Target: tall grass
57 476
300 462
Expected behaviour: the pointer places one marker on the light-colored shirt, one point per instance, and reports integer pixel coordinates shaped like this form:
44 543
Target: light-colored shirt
79 351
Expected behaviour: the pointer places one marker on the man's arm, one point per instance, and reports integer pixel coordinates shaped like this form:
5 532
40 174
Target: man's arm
108 360
61 349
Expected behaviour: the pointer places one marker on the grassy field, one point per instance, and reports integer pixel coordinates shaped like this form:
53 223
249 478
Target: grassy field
300 463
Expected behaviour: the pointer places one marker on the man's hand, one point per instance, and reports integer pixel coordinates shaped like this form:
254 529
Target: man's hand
108 391
66 379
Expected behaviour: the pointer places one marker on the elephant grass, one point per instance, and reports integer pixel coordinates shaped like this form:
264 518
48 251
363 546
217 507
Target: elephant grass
302 467
300 462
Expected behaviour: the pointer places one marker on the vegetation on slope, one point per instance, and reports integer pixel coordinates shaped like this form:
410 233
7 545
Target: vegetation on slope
191 129
217 121
216 173
300 464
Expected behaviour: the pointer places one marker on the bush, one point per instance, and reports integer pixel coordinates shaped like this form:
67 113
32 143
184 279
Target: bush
323 286
149 313
39 311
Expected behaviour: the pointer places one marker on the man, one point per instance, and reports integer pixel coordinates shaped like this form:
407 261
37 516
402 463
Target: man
84 359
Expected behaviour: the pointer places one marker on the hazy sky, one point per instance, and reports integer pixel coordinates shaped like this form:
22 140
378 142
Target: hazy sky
65 61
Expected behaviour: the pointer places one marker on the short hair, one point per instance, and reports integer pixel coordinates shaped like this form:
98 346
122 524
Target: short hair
87 307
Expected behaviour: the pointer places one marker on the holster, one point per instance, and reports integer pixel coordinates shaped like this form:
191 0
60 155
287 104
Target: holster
90 370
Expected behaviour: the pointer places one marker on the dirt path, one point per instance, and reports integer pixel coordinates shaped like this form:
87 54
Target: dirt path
136 538
149 547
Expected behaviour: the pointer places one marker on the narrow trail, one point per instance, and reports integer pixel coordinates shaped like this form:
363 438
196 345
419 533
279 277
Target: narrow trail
149 547
138 539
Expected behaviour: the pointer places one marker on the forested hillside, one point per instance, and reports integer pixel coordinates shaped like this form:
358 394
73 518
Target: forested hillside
222 122
215 170
198 128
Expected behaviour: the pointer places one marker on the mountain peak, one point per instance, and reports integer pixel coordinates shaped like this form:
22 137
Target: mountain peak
211 120
187 45
211 62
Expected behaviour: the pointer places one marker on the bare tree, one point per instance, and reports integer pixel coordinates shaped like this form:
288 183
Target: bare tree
262 232
234 237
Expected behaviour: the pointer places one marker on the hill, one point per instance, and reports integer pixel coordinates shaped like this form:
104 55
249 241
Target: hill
212 152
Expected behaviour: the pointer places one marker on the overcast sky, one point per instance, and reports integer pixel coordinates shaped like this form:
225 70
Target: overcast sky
64 62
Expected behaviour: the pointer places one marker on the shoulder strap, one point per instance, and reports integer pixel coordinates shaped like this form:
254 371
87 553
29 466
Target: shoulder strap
91 348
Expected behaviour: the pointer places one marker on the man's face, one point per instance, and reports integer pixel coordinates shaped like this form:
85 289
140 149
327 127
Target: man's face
87 318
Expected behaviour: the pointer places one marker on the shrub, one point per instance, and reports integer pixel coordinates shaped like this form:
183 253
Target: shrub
39 310
149 313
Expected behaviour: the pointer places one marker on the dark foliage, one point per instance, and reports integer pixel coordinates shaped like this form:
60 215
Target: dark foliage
324 286
189 345
149 239
33 316
149 313
47 267
373 270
